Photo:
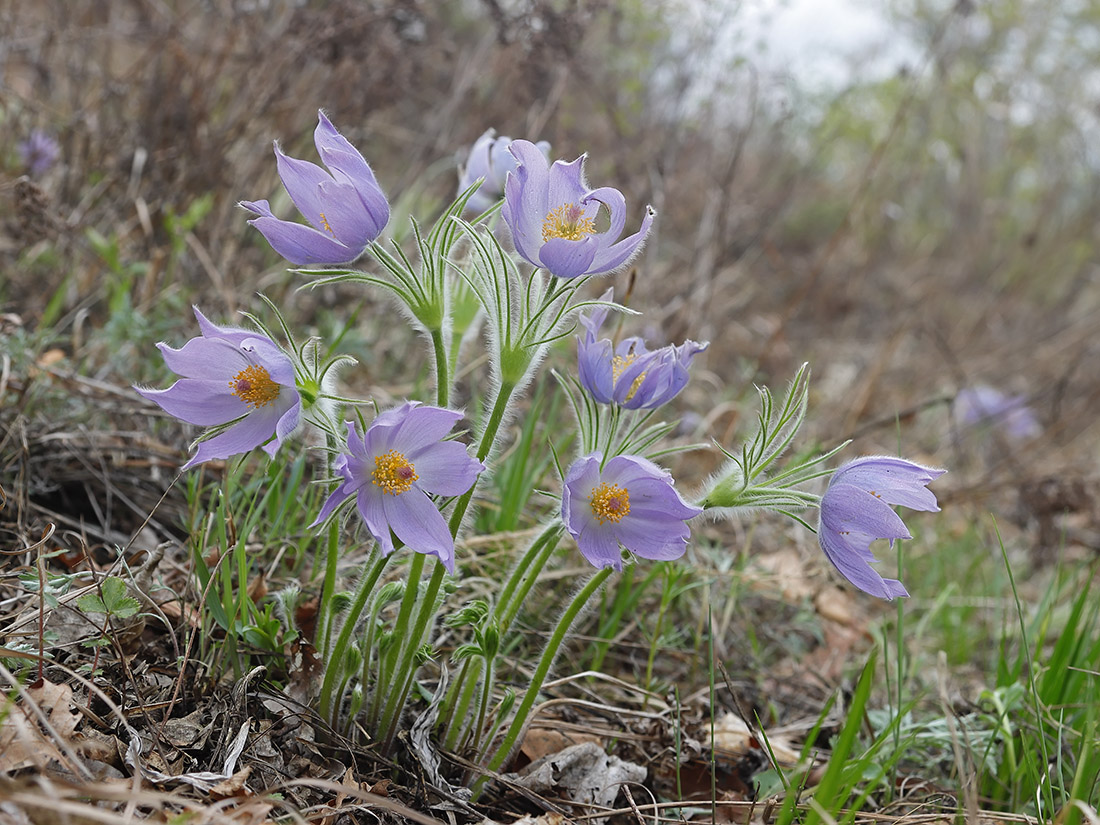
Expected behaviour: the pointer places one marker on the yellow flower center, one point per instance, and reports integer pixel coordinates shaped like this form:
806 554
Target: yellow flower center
618 366
393 473
324 223
610 502
253 385
567 221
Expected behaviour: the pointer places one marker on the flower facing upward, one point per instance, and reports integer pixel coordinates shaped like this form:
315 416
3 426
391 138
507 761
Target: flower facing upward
231 376
553 217
630 375
345 206
630 502
857 509
490 160
392 470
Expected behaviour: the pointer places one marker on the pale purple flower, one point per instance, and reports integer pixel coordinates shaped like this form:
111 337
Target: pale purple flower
857 509
345 207
393 468
630 375
553 217
231 376
38 153
630 502
490 160
983 405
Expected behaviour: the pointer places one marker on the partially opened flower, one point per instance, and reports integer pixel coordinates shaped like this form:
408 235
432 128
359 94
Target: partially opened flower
392 469
857 509
630 502
345 206
982 405
553 217
490 160
629 374
233 377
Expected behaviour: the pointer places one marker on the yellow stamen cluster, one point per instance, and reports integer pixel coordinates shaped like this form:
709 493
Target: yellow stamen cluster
253 385
610 502
618 366
567 221
393 473
324 223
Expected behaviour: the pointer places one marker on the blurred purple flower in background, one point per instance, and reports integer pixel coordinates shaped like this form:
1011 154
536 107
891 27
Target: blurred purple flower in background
490 159
38 153
857 509
630 502
392 470
345 207
552 215
231 375
983 405
630 375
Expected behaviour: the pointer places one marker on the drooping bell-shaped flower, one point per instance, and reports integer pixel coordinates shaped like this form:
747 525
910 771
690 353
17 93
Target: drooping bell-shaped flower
231 376
344 205
630 502
554 217
629 374
857 509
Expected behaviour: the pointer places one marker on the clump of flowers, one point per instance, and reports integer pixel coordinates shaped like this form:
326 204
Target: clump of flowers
235 380
345 206
415 484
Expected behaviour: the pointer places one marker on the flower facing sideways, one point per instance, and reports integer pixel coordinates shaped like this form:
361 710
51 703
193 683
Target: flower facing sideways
553 215
983 405
231 376
857 508
392 469
630 375
630 502
490 160
345 206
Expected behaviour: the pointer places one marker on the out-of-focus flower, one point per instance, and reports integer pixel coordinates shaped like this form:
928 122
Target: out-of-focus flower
38 153
345 207
631 502
490 159
630 375
392 470
857 509
983 405
553 214
231 376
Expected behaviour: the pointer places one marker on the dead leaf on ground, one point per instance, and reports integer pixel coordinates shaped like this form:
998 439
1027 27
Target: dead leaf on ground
540 742
22 741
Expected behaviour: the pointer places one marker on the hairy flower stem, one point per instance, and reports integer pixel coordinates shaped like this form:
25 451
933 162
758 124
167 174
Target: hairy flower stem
549 653
442 368
334 662
403 675
332 558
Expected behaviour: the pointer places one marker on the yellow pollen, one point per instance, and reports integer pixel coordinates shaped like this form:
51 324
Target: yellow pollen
610 502
324 222
618 366
567 221
253 385
393 473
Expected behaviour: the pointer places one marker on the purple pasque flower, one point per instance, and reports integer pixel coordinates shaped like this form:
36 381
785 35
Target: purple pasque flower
393 468
629 502
983 405
857 509
629 374
345 206
38 153
552 215
231 376
490 160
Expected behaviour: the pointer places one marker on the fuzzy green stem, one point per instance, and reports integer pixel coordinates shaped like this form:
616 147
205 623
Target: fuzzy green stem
549 653
334 662
396 653
328 588
464 688
525 575
442 368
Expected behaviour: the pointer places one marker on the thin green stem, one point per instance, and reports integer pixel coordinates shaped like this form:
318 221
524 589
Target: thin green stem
332 558
442 368
529 570
334 662
549 653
